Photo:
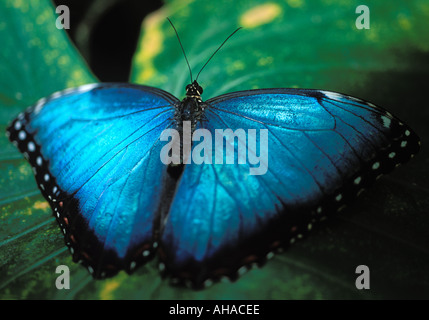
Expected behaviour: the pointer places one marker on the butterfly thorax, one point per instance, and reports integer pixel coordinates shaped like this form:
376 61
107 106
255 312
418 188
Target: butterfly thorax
191 108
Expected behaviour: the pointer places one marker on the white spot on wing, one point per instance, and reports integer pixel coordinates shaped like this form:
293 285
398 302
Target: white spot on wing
357 180
242 270
355 99
333 95
31 146
208 283
56 95
87 87
270 255
39 105
22 135
376 165
386 121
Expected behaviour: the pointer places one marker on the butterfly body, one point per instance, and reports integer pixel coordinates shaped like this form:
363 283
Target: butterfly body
191 108
95 151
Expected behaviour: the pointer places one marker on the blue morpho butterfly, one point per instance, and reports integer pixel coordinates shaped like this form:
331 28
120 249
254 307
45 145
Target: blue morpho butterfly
95 151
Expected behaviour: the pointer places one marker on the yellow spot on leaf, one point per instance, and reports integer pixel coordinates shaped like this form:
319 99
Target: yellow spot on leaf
16 3
295 3
76 78
372 35
19 4
24 169
44 17
41 205
107 292
235 66
260 15
63 60
34 42
424 8
53 41
264 61
404 22
150 45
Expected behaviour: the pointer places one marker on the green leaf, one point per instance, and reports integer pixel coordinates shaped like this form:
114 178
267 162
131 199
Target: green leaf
36 60
283 44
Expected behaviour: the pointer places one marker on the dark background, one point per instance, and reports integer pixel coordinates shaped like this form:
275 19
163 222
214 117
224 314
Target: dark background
106 33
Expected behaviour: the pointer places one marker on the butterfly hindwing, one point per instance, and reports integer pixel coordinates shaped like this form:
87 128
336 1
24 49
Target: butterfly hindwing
95 154
323 149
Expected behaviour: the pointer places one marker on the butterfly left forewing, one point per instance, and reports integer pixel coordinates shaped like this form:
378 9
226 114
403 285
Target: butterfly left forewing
323 149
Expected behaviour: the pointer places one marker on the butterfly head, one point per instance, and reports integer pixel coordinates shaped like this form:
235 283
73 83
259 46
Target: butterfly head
194 89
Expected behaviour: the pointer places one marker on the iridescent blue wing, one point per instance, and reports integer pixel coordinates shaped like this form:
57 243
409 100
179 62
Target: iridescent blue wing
324 148
95 154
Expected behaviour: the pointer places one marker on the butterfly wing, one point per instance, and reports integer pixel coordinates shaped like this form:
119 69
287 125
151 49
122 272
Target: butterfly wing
95 154
323 149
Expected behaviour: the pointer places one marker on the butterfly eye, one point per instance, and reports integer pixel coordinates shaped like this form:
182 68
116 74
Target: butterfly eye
188 87
200 90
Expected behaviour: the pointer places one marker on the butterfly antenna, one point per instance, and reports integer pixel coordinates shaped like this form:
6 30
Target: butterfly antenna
216 51
183 50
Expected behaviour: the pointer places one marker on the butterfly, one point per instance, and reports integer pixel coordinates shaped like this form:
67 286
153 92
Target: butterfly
95 152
